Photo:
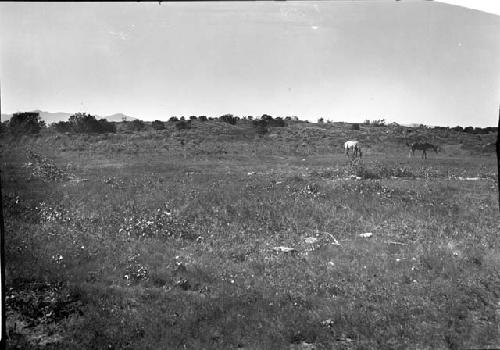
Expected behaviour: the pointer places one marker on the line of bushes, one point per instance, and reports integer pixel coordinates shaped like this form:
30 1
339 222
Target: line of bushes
85 123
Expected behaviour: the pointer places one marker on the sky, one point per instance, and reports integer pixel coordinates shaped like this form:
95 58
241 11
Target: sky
407 61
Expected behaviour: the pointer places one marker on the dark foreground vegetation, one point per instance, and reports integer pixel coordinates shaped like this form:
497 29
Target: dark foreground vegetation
222 235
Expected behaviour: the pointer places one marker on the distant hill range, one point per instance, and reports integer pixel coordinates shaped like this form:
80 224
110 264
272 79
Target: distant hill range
50 117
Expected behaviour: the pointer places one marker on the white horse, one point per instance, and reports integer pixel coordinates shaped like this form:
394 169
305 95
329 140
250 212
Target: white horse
353 146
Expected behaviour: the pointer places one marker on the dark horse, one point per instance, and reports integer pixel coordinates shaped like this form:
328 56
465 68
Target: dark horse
423 146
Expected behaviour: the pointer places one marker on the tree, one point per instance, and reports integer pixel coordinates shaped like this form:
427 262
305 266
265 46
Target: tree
202 118
26 123
174 119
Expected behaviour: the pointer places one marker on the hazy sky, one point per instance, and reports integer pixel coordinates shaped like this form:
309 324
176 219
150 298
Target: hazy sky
404 61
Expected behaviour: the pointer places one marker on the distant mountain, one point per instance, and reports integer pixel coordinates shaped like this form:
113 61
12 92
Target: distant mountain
118 117
50 117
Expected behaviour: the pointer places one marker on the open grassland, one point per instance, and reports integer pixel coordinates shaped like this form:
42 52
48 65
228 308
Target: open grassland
166 240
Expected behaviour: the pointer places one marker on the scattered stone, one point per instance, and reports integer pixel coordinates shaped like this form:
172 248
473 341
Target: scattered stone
302 346
366 235
311 240
282 249
327 323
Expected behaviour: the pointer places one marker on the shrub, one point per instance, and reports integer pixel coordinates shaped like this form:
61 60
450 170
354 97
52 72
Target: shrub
192 117
106 126
173 119
158 125
321 121
202 118
136 125
3 126
355 126
228 118
183 125
378 123
260 126
266 117
26 123
469 129
85 123
278 122
62 126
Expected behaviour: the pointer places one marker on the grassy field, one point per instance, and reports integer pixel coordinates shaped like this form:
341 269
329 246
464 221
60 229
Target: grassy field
140 241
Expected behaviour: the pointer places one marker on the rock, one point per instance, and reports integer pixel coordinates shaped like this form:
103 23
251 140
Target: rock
282 249
366 235
302 346
327 323
311 240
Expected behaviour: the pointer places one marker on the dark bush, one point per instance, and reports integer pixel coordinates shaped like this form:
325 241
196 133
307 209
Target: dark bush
202 118
158 125
260 126
457 128
469 129
85 123
106 126
182 118
63 126
490 129
4 126
228 118
378 123
355 126
192 117
136 125
174 119
278 122
321 121
183 125
26 123
266 117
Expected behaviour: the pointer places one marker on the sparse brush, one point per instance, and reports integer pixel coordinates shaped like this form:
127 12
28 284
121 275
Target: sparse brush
212 238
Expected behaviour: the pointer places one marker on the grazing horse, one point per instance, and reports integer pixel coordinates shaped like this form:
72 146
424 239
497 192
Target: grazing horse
423 146
354 146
